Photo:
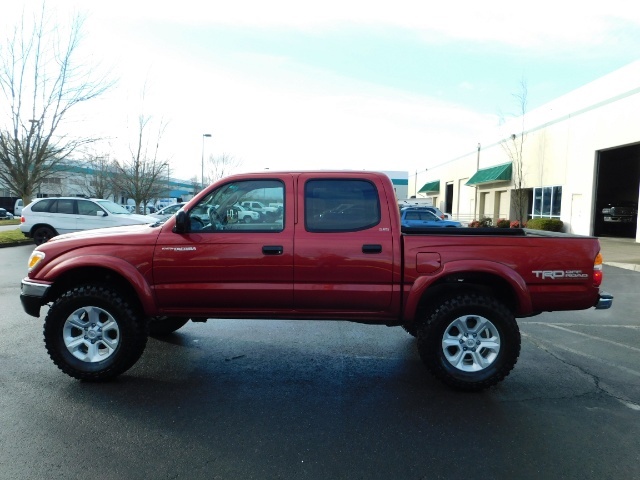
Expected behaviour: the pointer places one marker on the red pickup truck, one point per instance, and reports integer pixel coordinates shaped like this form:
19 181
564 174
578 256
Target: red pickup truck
335 250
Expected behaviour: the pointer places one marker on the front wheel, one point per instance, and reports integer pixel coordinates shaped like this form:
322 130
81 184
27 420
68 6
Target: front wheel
470 342
93 333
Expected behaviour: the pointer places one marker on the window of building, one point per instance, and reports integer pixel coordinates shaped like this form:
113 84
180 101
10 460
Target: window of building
547 202
52 181
340 205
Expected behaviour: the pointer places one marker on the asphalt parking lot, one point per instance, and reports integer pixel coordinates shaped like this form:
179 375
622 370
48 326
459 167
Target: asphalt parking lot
315 400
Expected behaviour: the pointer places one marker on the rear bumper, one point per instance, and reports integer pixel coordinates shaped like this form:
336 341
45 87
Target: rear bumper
32 296
604 301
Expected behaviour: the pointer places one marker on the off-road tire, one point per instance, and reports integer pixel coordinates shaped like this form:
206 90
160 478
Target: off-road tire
162 326
437 338
411 329
90 306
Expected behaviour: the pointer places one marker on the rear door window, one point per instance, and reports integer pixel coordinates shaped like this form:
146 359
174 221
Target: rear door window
43 205
341 205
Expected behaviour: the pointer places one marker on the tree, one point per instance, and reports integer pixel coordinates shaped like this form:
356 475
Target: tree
143 176
100 183
221 166
196 186
513 146
42 81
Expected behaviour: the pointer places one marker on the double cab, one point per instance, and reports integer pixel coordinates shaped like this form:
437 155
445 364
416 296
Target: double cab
459 291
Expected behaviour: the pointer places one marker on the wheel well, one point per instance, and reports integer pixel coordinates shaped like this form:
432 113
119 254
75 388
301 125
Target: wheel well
471 282
39 225
94 275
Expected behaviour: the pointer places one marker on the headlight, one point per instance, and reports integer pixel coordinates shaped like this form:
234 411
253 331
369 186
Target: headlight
34 259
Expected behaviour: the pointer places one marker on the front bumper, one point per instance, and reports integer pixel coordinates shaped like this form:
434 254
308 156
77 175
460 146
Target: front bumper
33 295
604 301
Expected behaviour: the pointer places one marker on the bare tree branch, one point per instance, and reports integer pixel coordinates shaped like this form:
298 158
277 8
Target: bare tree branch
513 146
41 82
143 177
100 183
221 166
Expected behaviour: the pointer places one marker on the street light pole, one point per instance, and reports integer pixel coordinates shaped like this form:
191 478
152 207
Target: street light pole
476 207
204 135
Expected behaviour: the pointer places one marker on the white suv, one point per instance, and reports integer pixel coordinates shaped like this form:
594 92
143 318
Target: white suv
47 217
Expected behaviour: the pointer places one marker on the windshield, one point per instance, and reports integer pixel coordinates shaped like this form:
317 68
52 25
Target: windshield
112 207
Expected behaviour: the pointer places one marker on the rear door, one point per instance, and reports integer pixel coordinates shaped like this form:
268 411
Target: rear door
62 215
344 252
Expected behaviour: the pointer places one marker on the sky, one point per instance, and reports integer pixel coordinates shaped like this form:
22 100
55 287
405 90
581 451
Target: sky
282 85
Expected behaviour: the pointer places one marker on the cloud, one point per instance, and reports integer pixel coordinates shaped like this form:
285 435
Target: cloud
542 24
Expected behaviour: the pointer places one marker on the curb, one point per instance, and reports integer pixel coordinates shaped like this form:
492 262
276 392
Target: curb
28 241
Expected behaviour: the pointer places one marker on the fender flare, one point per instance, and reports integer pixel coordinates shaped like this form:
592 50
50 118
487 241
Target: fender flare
71 261
513 279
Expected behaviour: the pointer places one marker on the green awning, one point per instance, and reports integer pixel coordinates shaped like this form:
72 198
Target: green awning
499 173
430 187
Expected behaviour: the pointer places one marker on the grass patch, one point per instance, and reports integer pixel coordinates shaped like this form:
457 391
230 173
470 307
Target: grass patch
15 221
13 236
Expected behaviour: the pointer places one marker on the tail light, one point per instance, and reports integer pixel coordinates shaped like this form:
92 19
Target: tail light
22 220
597 270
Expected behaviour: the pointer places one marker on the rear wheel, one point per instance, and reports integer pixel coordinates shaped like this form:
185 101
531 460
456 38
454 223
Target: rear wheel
93 333
43 234
161 326
470 342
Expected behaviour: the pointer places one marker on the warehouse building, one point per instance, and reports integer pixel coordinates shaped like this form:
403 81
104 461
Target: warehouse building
580 162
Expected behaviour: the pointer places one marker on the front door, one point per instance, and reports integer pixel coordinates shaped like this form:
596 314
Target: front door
222 265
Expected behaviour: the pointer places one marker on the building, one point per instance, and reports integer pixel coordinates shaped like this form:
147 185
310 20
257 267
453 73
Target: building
400 181
76 180
580 154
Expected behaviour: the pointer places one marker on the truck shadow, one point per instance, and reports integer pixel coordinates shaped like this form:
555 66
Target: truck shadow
339 398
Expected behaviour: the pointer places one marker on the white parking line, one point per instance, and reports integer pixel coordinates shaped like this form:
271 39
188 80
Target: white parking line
632 327
617 344
632 406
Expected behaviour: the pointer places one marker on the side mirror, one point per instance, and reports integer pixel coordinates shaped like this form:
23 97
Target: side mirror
182 222
101 213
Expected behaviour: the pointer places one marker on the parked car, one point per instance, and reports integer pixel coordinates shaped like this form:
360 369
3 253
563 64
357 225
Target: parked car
4 215
132 209
45 218
460 294
621 212
244 215
17 208
411 204
424 217
266 213
168 211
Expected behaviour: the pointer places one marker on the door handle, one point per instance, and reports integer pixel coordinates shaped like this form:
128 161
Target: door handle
273 249
371 248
